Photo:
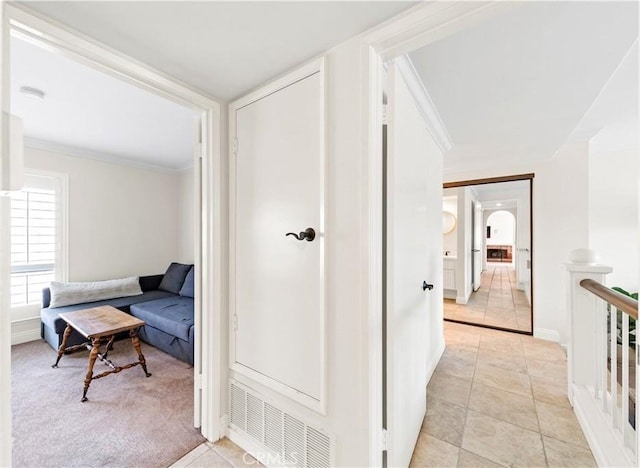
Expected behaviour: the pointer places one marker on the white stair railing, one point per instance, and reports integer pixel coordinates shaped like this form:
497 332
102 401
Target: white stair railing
602 364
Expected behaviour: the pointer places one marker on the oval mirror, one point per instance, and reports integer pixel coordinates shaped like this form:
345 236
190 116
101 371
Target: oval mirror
448 222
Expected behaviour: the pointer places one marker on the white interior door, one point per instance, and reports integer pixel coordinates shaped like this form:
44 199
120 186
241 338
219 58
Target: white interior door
279 280
476 246
413 256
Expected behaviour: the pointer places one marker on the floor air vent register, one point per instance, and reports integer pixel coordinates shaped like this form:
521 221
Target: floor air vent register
287 440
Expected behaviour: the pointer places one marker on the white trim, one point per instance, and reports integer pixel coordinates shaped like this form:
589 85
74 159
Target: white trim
588 268
607 449
77 152
5 320
373 253
66 41
25 330
298 74
316 66
427 108
546 334
44 31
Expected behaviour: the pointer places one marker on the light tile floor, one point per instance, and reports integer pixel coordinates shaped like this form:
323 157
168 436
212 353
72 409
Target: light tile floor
497 303
499 399
222 454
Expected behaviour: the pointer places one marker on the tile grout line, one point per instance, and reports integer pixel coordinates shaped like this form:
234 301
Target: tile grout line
466 408
535 408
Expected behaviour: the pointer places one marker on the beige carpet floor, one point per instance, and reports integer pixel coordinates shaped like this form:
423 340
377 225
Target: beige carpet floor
129 420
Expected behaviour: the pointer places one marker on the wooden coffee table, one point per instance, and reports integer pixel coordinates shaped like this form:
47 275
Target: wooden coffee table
100 325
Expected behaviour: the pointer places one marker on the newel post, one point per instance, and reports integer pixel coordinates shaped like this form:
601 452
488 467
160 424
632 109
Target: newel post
583 308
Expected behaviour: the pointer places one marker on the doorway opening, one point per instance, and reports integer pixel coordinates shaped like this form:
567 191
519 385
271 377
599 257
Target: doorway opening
487 279
204 197
501 233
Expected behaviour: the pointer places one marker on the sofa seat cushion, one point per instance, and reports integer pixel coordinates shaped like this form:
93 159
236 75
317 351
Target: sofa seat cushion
172 315
51 317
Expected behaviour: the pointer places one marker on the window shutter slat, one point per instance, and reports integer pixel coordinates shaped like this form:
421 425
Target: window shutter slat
33 244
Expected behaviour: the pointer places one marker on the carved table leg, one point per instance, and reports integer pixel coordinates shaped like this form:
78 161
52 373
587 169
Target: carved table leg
109 348
92 360
136 346
63 345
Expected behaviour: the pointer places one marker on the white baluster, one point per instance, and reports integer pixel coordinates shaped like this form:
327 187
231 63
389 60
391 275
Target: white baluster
615 417
625 377
601 347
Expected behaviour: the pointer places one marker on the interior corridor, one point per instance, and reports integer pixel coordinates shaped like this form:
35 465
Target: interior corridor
499 399
497 303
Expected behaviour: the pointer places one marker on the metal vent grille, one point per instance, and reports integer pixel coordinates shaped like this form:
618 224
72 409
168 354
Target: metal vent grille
238 407
272 428
287 438
255 417
318 449
293 441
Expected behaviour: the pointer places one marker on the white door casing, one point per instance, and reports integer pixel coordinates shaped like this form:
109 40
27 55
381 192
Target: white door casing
5 321
414 255
476 243
277 311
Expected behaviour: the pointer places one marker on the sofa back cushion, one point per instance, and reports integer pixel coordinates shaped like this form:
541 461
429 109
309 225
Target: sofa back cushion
174 278
65 294
187 287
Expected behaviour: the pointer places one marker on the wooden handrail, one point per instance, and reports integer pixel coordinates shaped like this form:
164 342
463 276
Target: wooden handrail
625 303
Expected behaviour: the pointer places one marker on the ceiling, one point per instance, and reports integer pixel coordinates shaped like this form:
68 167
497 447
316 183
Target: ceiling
495 195
517 85
514 87
89 113
501 195
612 123
222 48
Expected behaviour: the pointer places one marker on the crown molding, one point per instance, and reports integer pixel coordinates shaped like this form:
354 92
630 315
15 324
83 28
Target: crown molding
435 125
68 150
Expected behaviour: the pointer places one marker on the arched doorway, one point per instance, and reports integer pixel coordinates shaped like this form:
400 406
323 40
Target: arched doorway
500 230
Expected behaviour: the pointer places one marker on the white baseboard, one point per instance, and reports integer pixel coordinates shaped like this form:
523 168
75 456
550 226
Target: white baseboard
23 331
433 363
462 300
605 446
449 293
256 450
546 334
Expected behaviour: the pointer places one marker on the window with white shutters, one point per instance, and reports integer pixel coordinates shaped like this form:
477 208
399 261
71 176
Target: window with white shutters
35 238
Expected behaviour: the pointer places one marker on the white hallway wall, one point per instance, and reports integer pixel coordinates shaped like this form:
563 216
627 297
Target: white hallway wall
613 214
123 221
560 224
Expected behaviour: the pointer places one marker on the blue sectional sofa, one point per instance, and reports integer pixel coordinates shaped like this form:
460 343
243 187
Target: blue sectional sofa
166 305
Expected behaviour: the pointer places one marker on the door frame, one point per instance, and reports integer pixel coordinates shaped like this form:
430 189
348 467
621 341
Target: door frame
474 235
415 28
493 180
210 238
241 371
